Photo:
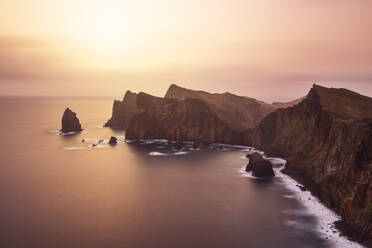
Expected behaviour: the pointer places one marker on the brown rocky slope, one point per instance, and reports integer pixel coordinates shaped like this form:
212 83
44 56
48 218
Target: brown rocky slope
327 141
180 120
239 112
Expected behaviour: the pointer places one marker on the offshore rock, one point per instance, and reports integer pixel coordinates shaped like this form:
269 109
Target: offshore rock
70 123
113 140
259 166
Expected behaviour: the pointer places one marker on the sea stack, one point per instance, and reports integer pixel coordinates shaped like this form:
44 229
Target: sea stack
259 166
113 140
70 123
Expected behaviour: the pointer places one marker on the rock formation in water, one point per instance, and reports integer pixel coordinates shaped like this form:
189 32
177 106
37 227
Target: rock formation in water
259 166
70 123
327 142
113 140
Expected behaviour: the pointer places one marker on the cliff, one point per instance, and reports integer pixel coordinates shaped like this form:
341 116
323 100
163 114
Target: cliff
180 120
327 141
122 111
238 112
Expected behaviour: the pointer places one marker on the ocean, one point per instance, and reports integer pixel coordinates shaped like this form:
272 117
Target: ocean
57 191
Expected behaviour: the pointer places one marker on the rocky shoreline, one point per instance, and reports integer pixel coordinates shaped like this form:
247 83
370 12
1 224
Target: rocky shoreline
326 139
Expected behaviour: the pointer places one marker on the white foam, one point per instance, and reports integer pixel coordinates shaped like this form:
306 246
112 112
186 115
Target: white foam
153 141
276 161
157 154
160 140
180 153
66 133
325 216
241 147
193 149
160 147
74 148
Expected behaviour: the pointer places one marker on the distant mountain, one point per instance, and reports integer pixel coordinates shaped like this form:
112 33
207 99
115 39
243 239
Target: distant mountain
327 141
239 112
288 104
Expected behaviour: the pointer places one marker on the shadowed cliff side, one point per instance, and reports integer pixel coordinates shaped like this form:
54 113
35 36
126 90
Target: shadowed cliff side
327 141
179 120
238 112
122 111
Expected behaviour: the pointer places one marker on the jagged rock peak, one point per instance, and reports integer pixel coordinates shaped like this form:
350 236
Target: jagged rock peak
70 122
345 104
128 95
122 111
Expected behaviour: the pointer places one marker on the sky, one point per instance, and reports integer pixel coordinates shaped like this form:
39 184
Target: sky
273 50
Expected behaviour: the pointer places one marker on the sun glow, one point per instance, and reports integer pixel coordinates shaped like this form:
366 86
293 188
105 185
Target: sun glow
106 33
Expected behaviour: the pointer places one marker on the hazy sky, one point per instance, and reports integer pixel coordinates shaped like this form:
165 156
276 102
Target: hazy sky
268 49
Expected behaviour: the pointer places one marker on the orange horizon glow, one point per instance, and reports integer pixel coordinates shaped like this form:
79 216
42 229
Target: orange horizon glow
271 50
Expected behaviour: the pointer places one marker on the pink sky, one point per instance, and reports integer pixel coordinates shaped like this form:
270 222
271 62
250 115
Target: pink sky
271 49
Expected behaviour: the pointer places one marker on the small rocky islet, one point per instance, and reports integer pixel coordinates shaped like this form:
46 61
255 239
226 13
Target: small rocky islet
70 122
259 166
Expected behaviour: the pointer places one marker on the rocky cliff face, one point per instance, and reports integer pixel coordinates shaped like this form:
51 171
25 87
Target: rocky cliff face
179 120
122 111
327 141
70 123
238 112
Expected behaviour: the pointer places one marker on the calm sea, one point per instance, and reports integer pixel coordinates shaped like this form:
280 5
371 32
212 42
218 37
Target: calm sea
56 191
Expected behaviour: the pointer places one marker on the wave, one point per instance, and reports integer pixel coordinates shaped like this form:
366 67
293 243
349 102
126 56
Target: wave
74 148
313 206
158 154
180 153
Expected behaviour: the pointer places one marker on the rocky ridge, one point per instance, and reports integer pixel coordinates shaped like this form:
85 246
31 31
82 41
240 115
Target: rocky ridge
327 142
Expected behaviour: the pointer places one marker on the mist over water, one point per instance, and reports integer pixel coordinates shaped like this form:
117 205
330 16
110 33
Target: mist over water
56 191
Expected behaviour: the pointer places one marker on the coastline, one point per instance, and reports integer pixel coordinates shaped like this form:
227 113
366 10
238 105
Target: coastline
327 218
351 232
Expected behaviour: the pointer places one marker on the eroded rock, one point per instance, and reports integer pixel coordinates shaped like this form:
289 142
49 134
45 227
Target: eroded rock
70 122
